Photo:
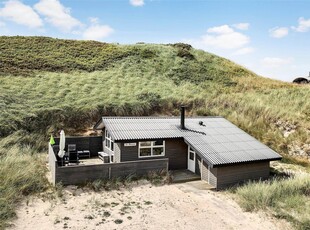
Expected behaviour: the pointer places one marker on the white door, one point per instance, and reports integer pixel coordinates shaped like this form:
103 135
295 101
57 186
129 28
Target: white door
191 158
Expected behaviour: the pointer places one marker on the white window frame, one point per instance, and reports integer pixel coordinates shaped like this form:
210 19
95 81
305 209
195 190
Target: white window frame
109 138
152 146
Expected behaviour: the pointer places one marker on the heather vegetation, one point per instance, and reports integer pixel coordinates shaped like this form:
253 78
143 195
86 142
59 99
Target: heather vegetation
48 84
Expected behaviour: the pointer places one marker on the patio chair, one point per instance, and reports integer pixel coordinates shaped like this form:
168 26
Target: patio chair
73 154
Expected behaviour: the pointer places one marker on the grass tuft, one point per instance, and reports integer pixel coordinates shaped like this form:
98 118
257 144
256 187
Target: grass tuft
286 198
21 174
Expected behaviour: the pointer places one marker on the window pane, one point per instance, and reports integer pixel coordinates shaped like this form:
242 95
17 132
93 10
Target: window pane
158 151
146 143
112 145
159 142
108 143
191 156
145 152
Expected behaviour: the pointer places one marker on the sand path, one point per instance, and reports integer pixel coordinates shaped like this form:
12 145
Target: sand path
177 206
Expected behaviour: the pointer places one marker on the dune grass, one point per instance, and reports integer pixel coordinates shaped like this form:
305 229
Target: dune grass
50 101
22 173
286 198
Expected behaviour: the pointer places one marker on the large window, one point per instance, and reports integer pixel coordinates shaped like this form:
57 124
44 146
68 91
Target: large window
109 143
151 148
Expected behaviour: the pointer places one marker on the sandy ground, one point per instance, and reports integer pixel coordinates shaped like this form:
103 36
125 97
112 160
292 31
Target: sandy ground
177 206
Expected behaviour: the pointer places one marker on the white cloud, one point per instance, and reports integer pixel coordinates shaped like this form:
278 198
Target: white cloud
20 13
242 26
137 2
224 37
274 62
243 51
278 32
224 29
303 25
96 31
58 15
2 24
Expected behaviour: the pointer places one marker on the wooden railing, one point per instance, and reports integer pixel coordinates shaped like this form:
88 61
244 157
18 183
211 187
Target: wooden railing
79 174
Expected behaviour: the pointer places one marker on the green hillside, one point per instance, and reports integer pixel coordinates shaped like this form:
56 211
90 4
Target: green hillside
48 84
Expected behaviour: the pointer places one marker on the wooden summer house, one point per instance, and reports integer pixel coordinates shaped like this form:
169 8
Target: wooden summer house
212 147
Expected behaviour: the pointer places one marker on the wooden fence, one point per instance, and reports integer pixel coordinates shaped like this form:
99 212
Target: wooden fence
92 143
78 174
52 162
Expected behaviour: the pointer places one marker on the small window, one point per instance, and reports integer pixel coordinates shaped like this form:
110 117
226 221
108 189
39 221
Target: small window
191 156
151 148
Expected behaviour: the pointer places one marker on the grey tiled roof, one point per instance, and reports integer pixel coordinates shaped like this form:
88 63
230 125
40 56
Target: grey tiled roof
218 141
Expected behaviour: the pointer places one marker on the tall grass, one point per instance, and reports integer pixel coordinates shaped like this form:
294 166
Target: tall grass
22 173
74 101
286 198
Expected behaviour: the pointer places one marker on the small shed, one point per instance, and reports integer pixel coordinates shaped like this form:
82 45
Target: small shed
212 147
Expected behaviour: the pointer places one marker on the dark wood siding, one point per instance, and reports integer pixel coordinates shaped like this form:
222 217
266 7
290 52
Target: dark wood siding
175 151
93 144
85 173
229 175
225 176
130 153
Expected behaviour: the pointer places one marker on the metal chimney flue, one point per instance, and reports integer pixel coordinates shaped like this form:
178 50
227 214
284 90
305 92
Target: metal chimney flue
183 117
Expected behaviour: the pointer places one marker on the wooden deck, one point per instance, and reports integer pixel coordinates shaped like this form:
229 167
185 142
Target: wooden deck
91 161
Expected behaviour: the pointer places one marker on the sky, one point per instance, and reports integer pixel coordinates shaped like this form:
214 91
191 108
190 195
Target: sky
269 37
